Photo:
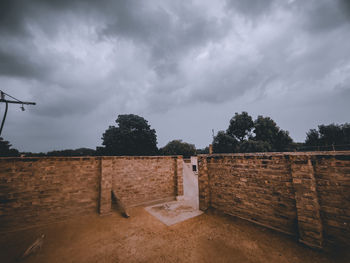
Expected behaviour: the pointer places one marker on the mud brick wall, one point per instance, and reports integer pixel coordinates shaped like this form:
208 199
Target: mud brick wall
42 190
332 174
36 191
303 194
141 180
258 188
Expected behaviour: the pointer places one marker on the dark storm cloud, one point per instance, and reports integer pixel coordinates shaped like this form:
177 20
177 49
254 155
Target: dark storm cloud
16 65
317 15
169 33
251 8
12 17
323 15
84 62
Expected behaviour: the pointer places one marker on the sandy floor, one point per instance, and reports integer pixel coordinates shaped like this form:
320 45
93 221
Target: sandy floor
187 206
171 213
143 238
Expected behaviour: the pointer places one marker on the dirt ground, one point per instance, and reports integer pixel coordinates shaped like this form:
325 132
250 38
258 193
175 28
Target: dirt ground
142 238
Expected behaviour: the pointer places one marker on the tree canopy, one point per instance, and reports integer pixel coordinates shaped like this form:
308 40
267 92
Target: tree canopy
266 130
328 136
70 152
205 150
132 136
224 143
6 150
246 135
240 126
178 147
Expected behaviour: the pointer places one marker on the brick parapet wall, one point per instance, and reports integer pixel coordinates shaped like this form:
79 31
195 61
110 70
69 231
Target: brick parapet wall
143 179
303 194
39 190
179 176
332 176
306 196
203 184
106 179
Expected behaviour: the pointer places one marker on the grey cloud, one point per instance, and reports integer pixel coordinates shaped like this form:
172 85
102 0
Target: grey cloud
18 16
12 17
167 34
251 8
57 104
345 5
318 16
13 64
90 60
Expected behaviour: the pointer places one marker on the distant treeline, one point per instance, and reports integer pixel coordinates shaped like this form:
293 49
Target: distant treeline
68 152
263 135
134 136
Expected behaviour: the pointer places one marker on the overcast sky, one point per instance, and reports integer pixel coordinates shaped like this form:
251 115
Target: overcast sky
185 66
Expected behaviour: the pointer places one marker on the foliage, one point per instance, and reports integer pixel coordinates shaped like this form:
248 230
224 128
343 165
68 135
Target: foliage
132 136
76 152
240 126
244 135
329 135
31 154
283 142
203 151
224 143
266 130
5 149
312 138
178 147
251 146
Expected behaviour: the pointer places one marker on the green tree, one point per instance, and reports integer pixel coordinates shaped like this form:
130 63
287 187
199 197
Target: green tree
312 138
346 133
283 142
5 149
330 134
326 136
76 152
203 151
132 136
224 143
246 135
240 126
266 130
251 146
178 147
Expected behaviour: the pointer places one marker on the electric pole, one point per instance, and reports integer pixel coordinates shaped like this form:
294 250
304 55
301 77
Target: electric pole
13 101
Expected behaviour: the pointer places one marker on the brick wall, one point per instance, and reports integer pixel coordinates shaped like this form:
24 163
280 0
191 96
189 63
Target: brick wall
333 187
142 180
37 190
42 190
303 194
